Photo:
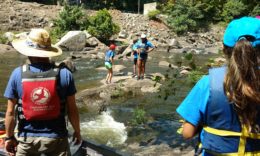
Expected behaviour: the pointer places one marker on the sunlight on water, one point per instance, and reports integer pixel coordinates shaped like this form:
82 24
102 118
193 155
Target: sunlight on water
104 129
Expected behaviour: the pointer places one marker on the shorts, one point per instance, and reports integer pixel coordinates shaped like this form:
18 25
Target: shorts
42 145
108 65
135 61
143 55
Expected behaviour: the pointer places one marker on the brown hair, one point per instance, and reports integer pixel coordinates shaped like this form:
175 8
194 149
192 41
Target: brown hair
242 80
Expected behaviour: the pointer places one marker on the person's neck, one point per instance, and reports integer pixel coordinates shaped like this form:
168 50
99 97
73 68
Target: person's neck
39 60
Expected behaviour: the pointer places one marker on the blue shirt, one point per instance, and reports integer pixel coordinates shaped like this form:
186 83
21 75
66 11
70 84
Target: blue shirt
134 48
193 107
144 46
52 128
109 54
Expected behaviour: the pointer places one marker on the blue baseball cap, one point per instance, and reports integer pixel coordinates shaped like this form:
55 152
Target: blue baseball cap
245 27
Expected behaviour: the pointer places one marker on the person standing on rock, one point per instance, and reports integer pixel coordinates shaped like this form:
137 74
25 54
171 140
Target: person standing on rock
43 94
109 60
143 48
135 56
226 103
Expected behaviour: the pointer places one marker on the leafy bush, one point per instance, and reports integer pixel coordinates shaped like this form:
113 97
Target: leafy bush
3 39
152 15
138 117
102 26
70 18
256 11
233 9
184 17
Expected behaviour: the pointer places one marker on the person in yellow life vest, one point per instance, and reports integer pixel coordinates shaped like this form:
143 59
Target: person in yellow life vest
226 102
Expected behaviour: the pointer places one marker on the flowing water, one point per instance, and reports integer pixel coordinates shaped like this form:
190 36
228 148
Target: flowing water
112 128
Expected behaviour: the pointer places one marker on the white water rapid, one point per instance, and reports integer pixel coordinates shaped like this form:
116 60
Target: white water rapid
104 129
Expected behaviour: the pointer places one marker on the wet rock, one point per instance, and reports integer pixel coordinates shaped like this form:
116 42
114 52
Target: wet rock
164 64
92 42
6 49
184 72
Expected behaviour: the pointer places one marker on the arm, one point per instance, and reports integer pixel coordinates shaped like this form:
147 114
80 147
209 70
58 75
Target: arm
73 116
10 144
189 130
150 47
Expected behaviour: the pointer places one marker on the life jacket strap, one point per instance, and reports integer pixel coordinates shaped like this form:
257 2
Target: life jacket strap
254 153
224 133
243 135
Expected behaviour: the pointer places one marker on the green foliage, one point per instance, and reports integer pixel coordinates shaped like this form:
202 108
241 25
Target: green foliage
139 117
152 15
232 9
184 16
3 39
194 76
256 10
102 26
70 18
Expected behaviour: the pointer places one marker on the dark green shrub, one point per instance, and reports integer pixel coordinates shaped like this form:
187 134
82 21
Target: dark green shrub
70 18
184 16
139 117
233 9
152 15
3 39
102 26
255 11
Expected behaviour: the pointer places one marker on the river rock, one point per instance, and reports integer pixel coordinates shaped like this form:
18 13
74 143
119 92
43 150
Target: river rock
184 72
164 64
9 36
92 42
123 34
127 51
73 41
116 68
220 60
68 63
6 49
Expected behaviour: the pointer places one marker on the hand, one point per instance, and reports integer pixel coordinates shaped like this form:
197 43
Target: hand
77 138
11 147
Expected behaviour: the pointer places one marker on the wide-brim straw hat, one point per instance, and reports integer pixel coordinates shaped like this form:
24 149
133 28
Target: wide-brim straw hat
37 44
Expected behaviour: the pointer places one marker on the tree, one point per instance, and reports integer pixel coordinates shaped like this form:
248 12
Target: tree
233 9
102 26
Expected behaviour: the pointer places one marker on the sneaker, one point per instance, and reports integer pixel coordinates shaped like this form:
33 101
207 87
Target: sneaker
142 77
133 75
137 78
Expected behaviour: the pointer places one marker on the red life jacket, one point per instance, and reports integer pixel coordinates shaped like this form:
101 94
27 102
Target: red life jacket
40 99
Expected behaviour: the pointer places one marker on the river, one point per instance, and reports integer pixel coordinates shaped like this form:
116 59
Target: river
112 127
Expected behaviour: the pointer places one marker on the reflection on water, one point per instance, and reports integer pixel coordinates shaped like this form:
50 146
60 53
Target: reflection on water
104 129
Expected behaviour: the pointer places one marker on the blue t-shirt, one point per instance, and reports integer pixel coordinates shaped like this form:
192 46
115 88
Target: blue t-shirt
134 48
50 128
109 54
193 107
144 46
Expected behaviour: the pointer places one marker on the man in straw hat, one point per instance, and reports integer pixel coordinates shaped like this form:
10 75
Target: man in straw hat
43 94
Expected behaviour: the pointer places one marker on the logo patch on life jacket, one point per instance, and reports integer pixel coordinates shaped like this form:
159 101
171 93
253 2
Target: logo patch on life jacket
40 96
40 99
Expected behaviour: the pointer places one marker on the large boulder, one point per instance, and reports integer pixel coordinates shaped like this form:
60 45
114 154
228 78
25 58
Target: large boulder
92 42
73 41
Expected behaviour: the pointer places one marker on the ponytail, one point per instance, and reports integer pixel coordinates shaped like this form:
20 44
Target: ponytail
242 81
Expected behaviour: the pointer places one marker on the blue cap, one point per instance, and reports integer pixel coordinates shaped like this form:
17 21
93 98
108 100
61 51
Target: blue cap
246 26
